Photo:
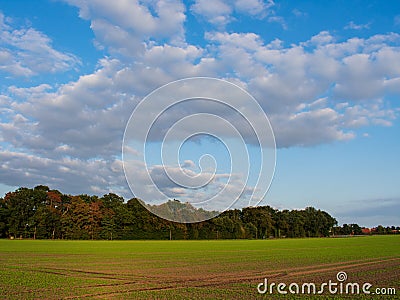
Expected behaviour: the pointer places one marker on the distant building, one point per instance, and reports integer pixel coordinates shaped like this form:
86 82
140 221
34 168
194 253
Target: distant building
366 230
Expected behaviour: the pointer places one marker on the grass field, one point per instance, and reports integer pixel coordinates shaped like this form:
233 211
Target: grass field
191 269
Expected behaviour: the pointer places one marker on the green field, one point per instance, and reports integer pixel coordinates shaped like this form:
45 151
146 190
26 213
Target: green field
228 269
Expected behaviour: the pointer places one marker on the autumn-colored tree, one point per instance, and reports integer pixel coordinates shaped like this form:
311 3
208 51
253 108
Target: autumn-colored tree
75 219
48 214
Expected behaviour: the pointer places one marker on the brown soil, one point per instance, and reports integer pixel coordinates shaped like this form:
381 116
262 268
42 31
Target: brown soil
382 270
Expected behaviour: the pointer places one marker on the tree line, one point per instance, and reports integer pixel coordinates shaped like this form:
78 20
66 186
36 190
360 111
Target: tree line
42 213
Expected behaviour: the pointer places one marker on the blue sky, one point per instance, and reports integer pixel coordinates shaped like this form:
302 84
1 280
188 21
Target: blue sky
327 74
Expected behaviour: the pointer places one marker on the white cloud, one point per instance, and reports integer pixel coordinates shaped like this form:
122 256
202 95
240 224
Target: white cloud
322 38
26 52
66 174
84 115
354 26
221 12
188 164
309 128
298 13
222 191
318 91
285 79
278 19
92 112
248 41
124 27
253 7
216 12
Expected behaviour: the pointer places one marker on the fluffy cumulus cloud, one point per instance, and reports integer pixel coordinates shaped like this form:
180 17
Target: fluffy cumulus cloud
222 12
67 174
74 120
125 27
319 91
25 52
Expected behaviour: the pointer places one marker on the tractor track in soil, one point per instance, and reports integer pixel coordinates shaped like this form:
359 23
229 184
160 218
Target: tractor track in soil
198 281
